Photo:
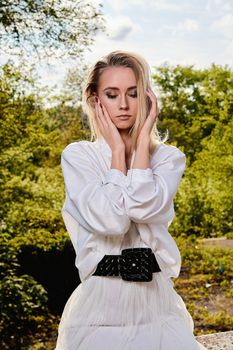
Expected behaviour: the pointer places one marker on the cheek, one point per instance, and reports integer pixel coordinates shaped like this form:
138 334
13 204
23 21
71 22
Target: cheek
135 106
108 104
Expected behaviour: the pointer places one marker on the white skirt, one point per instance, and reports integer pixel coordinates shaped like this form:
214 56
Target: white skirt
107 313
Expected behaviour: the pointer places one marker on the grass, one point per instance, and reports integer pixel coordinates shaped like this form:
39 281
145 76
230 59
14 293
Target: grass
206 285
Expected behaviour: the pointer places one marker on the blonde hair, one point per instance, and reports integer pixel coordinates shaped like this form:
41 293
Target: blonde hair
142 74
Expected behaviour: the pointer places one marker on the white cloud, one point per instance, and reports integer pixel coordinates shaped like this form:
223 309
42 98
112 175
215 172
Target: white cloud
219 7
119 28
189 25
120 5
165 5
224 25
121 32
181 29
162 5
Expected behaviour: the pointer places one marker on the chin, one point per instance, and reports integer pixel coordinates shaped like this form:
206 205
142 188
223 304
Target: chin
125 129
124 126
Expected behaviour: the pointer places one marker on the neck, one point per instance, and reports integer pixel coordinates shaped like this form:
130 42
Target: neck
126 139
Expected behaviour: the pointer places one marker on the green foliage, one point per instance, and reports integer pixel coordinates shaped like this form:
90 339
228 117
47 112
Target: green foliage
204 200
9 261
71 124
211 261
210 323
22 300
30 206
193 101
197 109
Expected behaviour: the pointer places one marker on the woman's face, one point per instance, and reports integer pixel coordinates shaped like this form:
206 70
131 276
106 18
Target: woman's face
117 91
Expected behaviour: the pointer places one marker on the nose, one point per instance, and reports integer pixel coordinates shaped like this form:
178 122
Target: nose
123 102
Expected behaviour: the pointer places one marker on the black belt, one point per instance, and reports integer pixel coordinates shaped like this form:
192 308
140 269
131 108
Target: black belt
134 264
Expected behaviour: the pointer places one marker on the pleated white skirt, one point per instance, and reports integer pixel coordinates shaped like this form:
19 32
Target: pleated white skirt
107 313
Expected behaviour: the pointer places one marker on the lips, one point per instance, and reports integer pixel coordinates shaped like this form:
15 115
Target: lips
124 116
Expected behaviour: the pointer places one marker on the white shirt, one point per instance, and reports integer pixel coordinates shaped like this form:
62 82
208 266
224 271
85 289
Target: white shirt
106 210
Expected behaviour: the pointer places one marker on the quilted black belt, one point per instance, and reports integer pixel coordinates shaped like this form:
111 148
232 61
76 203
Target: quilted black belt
134 264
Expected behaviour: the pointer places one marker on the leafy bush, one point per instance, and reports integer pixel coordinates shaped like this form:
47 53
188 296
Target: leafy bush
23 301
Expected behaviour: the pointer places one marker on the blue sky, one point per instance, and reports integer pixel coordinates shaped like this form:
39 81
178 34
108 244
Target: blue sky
198 32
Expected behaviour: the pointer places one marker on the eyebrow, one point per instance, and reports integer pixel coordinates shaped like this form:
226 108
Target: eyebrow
115 88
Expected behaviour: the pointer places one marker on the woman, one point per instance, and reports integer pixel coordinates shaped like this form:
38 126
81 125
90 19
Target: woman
119 204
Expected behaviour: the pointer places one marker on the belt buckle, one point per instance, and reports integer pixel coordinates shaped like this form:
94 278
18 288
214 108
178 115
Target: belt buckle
135 264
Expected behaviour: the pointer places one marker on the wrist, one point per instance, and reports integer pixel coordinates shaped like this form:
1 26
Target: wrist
118 150
145 143
118 160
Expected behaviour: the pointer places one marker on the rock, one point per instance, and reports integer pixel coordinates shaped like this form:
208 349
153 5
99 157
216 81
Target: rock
217 341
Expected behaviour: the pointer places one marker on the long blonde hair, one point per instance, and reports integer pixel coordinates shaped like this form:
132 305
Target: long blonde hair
142 74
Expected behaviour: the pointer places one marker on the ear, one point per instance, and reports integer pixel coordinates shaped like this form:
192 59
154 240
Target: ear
92 99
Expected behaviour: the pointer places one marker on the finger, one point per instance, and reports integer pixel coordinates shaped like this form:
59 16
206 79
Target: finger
151 95
154 104
100 117
101 113
107 116
98 120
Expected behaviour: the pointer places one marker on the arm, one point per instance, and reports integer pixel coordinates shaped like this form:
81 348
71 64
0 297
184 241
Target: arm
118 161
149 195
95 203
142 156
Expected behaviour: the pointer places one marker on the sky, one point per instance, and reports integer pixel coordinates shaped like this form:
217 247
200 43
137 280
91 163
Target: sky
184 32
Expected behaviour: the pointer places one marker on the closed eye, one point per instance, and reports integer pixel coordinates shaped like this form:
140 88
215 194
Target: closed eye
134 94
111 96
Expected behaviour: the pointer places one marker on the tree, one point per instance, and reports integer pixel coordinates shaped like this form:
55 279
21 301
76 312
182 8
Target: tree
193 101
73 85
60 28
204 201
197 108
32 192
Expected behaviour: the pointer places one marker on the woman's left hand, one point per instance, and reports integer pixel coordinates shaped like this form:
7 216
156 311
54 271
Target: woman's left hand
145 131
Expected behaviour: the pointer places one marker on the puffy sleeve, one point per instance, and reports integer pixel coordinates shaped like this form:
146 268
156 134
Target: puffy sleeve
150 192
94 202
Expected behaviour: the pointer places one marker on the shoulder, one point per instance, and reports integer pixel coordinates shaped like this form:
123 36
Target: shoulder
166 153
163 151
76 149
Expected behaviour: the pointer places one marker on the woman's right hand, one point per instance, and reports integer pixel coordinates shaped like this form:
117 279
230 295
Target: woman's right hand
107 128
